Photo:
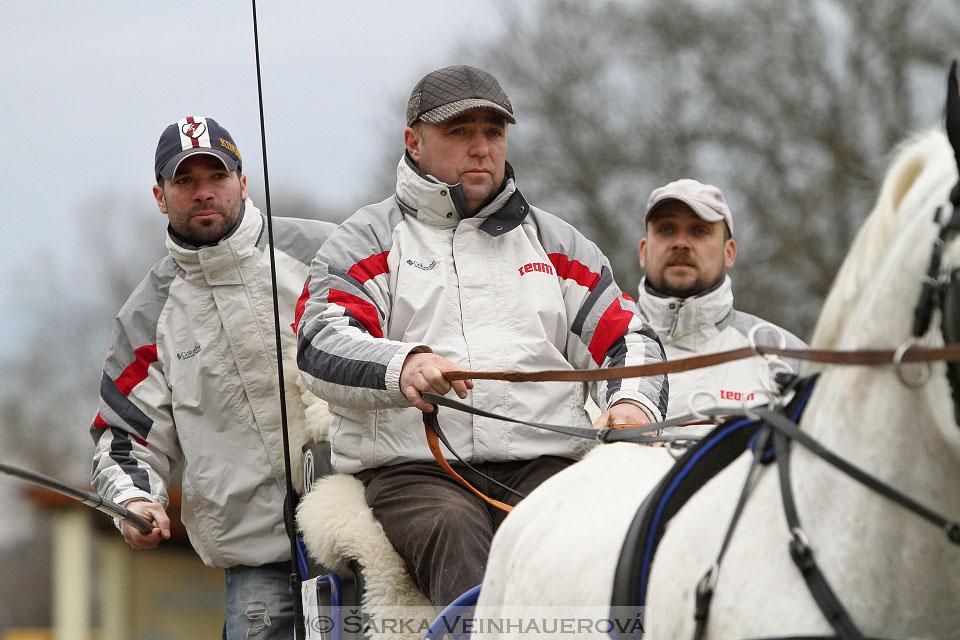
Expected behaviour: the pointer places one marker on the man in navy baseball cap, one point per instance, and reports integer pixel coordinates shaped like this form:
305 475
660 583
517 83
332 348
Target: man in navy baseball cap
195 134
188 381
200 183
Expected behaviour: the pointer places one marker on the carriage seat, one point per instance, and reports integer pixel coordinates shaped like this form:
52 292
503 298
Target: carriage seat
341 535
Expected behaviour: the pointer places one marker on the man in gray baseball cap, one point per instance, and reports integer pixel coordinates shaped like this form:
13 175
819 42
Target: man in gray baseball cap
688 296
456 270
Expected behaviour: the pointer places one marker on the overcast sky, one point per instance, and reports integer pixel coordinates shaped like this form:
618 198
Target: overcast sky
87 88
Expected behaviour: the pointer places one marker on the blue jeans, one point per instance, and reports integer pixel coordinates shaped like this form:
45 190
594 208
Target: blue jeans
259 602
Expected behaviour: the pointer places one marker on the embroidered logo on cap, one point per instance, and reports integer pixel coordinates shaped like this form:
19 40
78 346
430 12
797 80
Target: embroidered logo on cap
194 129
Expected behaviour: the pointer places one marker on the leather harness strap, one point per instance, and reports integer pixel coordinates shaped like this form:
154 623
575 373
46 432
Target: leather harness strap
433 441
914 354
859 357
802 555
435 434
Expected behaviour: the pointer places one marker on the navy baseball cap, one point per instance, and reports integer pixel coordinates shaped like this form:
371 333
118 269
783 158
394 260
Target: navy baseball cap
194 134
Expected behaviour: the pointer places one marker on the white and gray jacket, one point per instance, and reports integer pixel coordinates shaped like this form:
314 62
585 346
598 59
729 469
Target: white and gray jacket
509 288
708 323
191 378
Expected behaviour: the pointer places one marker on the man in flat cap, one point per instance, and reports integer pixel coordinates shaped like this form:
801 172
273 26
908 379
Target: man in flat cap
687 295
191 378
455 270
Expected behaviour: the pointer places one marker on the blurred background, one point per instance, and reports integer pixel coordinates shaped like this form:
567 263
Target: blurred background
792 107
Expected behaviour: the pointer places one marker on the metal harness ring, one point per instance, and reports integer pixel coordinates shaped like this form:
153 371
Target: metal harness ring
899 365
775 365
761 326
692 404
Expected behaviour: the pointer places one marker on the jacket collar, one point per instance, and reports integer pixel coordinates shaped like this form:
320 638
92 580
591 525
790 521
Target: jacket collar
220 263
687 322
442 205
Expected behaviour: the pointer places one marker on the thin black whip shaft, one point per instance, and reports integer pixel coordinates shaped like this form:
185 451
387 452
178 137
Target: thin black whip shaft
289 504
88 498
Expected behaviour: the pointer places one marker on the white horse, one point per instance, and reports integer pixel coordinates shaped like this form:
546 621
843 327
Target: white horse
897 575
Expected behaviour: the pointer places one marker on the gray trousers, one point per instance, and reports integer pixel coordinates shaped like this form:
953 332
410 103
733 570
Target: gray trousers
438 527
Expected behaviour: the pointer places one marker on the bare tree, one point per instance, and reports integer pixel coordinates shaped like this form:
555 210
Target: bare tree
51 383
791 107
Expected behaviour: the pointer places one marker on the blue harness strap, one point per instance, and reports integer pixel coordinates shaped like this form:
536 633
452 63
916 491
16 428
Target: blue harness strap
691 472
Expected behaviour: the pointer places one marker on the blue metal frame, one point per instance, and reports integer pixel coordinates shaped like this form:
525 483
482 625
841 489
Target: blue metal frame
449 624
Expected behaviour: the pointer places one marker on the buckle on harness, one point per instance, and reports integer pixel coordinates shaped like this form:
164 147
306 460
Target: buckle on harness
705 593
800 550
603 434
709 580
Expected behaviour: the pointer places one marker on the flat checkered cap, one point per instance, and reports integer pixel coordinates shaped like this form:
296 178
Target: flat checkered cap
450 92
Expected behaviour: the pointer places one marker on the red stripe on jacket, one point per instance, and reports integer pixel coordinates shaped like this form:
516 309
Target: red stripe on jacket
611 327
573 270
363 311
369 268
134 374
301 304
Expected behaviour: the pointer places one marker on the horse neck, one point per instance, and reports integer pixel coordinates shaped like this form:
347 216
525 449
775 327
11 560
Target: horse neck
872 549
901 434
904 435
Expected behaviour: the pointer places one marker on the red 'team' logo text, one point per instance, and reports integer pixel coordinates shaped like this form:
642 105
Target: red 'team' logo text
735 395
542 267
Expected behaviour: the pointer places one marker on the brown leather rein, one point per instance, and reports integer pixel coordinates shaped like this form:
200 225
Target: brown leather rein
433 440
903 355
828 356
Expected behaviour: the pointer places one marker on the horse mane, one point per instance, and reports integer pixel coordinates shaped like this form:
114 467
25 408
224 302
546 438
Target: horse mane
877 233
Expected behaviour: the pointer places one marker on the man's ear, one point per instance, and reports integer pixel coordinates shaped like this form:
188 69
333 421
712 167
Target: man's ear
412 139
158 194
642 250
729 253
243 185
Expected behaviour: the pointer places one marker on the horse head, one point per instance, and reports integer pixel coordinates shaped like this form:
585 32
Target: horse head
906 260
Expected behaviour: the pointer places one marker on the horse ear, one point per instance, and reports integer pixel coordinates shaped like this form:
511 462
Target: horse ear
953 111
953 126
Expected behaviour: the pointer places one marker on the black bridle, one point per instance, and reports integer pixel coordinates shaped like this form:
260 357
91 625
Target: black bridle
941 286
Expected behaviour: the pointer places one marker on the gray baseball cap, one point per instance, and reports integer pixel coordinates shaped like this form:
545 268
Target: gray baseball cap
706 200
450 92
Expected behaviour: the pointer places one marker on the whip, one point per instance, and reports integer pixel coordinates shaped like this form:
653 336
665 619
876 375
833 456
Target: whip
289 503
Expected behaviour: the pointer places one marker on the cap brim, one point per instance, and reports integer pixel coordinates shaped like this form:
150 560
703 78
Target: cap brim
702 210
456 109
168 170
